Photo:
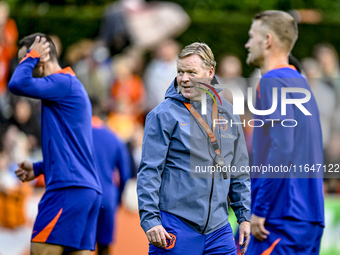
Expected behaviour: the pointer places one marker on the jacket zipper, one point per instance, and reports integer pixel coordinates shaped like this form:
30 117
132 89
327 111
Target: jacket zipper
210 197
211 190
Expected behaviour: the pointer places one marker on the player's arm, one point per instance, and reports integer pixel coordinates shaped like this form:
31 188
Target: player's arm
239 192
281 147
23 83
279 152
154 151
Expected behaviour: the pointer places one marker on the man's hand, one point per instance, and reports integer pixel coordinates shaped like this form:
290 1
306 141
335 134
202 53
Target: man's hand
41 46
244 231
25 171
257 227
157 236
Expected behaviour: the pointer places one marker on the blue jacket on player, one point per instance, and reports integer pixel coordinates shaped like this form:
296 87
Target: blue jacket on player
110 153
298 193
65 125
176 154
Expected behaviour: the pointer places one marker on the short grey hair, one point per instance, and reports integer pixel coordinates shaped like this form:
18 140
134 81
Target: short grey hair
202 50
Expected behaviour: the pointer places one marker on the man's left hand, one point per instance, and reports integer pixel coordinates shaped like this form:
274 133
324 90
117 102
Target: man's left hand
244 231
42 46
257 227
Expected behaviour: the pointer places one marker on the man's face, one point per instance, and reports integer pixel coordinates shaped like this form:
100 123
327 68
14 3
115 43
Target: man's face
328 61
38 70
191 67
256 45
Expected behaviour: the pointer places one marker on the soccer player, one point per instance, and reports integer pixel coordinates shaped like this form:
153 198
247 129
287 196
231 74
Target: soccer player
287 213
68 211
183 211
110 154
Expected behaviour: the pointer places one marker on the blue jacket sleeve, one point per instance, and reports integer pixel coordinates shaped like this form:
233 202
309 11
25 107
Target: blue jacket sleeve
38 168
52 87
239 192
154 151
281 147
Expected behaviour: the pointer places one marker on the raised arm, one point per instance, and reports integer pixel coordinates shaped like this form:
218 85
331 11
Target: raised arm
22 83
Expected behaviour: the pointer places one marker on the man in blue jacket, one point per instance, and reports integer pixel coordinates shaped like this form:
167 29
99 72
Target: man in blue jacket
68 211
184 208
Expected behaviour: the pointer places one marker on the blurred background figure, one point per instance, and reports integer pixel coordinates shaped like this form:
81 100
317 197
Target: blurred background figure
332 161
8 38
59 47
324 95
91 62
13 193
112 161
141 24
328 58
11 196
135 147
7 179
15 145
135 143
113 29
230 72
127 97
160 72
26 121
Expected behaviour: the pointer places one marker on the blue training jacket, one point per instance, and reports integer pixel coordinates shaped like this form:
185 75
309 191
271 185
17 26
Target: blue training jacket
175 154
65 125
297 193
110 153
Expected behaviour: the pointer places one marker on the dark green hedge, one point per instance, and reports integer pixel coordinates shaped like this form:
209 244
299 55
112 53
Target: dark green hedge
230 33
224 31
239 5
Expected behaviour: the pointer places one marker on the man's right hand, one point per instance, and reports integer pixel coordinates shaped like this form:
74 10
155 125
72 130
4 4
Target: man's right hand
257 227
157 236
25 171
